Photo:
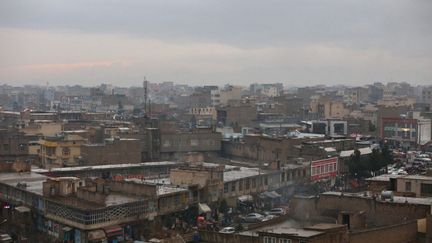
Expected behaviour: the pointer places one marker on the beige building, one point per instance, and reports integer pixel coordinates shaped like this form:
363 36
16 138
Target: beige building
397 101
414 185
328 108
208 180
221 97
43 128
203 112
60 151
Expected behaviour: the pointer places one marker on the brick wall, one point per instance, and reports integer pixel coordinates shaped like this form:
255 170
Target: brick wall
216 237
400 233
118 152
376 212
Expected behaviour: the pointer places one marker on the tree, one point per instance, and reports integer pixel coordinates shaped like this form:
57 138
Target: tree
387 155
354 164
376 161
363 166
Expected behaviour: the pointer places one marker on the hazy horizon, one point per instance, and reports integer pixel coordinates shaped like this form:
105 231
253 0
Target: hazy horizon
297 43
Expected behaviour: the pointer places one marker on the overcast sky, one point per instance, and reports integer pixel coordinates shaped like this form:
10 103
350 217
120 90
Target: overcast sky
300 42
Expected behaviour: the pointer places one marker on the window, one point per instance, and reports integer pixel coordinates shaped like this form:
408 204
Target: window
426 189
247 184
225 188
254 182
265 181
194 142
233 186
285 241
268 239
6 147
408 186
66 151
240 185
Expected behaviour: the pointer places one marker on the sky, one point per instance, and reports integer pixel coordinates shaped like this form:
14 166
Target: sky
296 42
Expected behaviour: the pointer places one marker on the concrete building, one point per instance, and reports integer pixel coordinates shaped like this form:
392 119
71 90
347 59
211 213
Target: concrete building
238 115
322 233
414 185
60 151
330 127
328 108
220 97
203 113
408 132
264 149
14 145
78 208
113 151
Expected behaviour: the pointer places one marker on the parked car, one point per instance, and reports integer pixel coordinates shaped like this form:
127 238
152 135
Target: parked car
5 238
277 211
253 218
227 230
268 217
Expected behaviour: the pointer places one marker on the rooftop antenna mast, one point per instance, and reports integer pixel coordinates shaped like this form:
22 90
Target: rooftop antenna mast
145 83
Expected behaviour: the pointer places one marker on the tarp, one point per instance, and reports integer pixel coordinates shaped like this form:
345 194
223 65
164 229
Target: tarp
96 235
204 208
272 195
113 231
22 209
245 198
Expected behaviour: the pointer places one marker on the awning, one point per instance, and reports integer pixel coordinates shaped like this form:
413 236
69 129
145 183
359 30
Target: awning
113 231
96 235
204 208
272 195
245 198
421 226
22 209
66 229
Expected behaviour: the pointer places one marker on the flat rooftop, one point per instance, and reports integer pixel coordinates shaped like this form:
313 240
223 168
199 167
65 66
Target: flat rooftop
417 177
164 186
232 173
32 180
305 233
427 201
240 173
105 167
325 226
384 177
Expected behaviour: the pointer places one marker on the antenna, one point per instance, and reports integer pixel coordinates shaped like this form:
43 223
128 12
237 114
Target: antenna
150 111
145 83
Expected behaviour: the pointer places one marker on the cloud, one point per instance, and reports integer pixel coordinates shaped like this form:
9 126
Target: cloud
216 41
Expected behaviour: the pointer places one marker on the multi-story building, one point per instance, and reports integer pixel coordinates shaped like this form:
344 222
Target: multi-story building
14 145
408 132
113 151
220 97
330 127
77 209
62 150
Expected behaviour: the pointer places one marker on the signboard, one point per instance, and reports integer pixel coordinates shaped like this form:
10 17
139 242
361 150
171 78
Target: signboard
399 129
324 169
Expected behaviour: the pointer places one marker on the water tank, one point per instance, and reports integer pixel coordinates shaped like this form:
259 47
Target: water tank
387 195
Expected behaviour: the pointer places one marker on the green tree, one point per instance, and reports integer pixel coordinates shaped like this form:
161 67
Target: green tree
375 160
387 155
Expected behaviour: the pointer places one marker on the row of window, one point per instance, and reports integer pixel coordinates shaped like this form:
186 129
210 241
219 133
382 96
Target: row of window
288 175
268 239
247 184
317 170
